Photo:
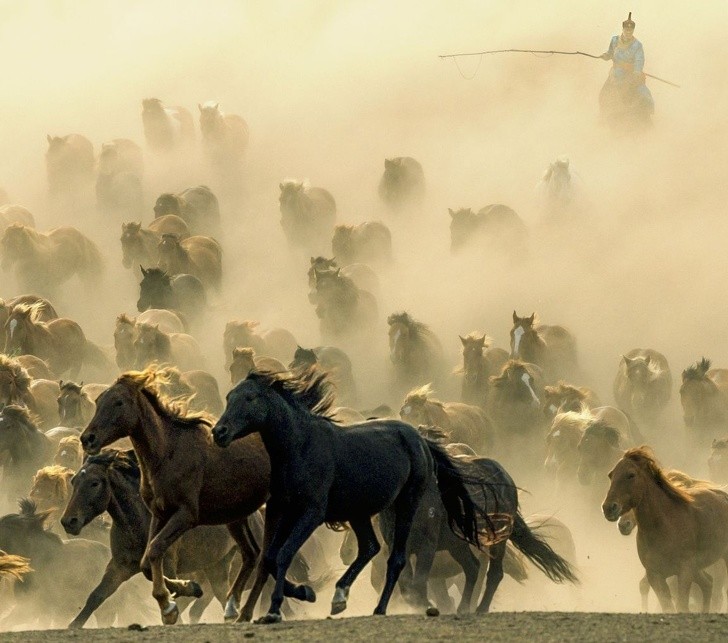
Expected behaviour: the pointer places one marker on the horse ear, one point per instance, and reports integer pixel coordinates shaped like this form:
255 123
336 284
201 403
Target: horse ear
451 211
532 318
462 339
60 383
217 105
144 272
715 444
481 341
515 317
81 384
49 138
647 359
338 270
280 185
199 106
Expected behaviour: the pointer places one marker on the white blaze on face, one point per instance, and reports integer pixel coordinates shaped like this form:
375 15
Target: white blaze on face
13 326
553 409
395 339
526 378
517 334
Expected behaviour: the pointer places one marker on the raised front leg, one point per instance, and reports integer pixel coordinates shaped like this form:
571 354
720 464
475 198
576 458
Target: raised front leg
168 532
113 577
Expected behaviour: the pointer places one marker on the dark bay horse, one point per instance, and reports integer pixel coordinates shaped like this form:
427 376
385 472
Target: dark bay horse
335 363
110 482
321 473
183 293
186 480
680 531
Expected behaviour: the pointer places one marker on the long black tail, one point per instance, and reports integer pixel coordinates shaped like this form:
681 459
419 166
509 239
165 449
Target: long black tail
540 553
463 514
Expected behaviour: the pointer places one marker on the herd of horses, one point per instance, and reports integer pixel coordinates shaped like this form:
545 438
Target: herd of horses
149 468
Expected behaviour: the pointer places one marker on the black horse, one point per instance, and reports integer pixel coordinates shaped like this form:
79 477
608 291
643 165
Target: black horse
183 293
323 474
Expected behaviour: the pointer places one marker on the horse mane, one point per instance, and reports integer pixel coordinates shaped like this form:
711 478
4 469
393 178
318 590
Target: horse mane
434 433
243 351
697 371
601 429
20 376
417 327
33 311
569 422
118 459
309 387
29 513
123 318
58 476
562 388
502 378
682 479
22 415
421 395
175 411
156 273
13 566
645 459
68 385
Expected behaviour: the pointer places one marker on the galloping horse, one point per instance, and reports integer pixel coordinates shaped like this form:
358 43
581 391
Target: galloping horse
680 531
166 128
125 332
198 207
643 385
551 347
186 480
480 362
369 242
402 184
462 422
276 342
704 397
319 474
183 293
17 387
245 360
43 261
342 308
415 351
566 397
76 402
362 275
335 363
152 345
225 136
308 215
69 163
198 256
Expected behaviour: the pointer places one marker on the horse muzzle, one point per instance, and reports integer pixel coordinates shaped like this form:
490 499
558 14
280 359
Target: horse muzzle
222 435
611 511
90 443
72 525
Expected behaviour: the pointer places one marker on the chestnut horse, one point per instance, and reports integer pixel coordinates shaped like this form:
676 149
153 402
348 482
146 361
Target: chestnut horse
480 361
551 347
566 397
186 479
704 397
198 256
680 531
276 342
415 351
643 385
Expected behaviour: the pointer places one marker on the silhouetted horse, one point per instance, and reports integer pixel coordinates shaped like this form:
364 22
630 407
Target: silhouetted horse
480 362
308 215
166 128
320 473
643 386
369 242
183 293
342 308
224 136
335 363
403 183
497 225
704 397
69 163
197 206
415 351
362 275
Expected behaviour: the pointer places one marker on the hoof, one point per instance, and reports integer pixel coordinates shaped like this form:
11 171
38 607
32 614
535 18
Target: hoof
171 614
269 619
337 607
195 589
231 617
309 594
74 626
432 611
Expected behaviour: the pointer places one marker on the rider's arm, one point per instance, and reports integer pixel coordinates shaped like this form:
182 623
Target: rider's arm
639 59
609 54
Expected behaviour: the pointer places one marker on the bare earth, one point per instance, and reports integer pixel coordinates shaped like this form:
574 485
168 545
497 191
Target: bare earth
504 626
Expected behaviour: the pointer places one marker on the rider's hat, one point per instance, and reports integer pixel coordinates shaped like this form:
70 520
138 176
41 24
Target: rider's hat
629 22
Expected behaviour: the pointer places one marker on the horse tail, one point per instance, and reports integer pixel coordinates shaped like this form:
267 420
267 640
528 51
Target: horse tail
538 551
462 512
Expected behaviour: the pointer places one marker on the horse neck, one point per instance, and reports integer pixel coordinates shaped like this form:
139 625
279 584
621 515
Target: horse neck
532 347
37 337
125 504
655 509
284 433
149 437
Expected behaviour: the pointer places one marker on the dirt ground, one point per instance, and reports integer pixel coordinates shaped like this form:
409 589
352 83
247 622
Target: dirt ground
503 626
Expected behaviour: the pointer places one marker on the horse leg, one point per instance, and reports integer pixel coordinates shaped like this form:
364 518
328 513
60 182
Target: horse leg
367 548
113 577
249 552
465 557
301 531
425 557
208 593
684 582
443 601
494 576
405 509
275 533
705 582
644 592
659 586
165 534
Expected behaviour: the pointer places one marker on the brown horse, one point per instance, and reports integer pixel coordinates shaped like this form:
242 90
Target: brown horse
69 163
42 311
198 388
276 342
550 347
224 136
198 207
198 256
17 387
680 531
12 213
308 215
480 362
69 453
463 422
166 128
76 403
415 351
643 385
44 261
245 360
186 479
704 397
125 332
562 448
363 276
154 345
369 243
335 363
566 397
60 342
138 245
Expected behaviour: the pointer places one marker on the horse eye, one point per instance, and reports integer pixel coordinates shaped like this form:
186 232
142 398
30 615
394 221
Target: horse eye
94 484
118 403
631 476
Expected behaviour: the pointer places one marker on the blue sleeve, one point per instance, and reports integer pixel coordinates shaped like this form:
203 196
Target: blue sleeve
639 58
612 45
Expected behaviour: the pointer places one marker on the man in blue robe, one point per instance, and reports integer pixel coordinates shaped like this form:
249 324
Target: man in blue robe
625 91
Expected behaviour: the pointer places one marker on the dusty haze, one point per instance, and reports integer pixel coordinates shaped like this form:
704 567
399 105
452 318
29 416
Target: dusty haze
329 89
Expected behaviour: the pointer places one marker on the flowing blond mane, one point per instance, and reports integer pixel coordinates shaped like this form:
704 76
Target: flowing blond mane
19 375
59 477
421 395
644 458
13 566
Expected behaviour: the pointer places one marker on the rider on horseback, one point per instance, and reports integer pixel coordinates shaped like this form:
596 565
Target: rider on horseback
625 90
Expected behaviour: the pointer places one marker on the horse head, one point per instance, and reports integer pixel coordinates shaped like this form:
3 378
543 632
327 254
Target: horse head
523 334
473 347
598 447
416 407
155 289
131 243
168 203
69 403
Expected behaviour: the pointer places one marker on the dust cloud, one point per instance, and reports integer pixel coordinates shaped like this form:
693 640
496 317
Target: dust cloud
329 89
